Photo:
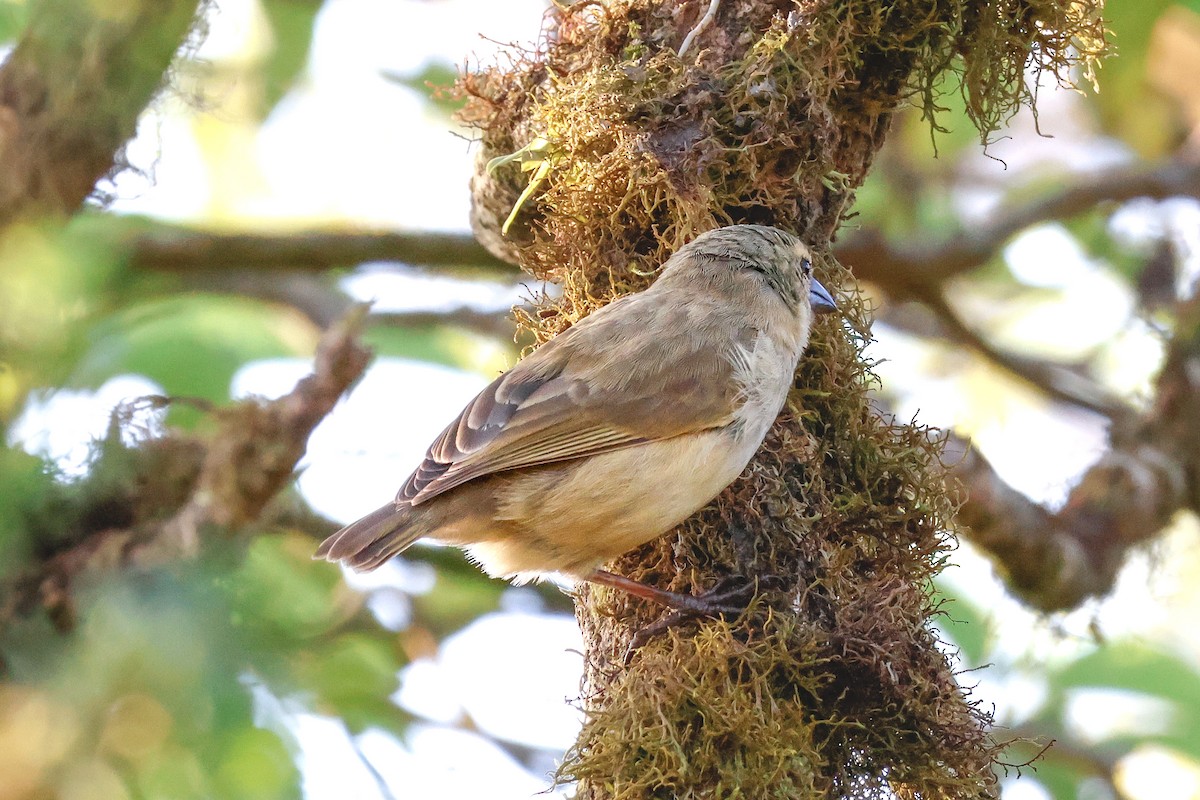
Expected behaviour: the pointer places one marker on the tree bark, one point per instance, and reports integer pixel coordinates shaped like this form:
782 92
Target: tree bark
71 93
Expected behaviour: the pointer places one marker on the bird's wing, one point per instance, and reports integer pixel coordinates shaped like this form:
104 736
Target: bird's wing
593 389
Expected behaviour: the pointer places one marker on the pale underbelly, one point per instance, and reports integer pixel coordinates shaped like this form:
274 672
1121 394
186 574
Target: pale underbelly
574 517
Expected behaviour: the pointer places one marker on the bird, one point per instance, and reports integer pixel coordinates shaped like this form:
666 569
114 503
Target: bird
617 429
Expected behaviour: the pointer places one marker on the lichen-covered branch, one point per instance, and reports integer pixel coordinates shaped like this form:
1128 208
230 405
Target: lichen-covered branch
1151 473
157 501
831 686
71 93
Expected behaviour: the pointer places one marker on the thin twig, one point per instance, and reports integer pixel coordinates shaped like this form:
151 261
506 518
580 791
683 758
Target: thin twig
1055 381
910 268
704 22
177 249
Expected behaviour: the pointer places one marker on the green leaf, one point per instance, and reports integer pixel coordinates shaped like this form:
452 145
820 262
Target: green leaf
176 773
52 280
1126 105
1092 233
1059 778
955 132
12 19
439 344
26 482
279 590
1135 668
1140 670
191 345
255 764
457 599
965 625
354 677
291 24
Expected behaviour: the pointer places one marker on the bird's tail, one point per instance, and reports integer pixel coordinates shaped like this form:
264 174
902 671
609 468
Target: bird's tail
375 538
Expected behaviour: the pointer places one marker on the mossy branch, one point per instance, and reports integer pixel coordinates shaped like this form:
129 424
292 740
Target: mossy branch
832 686
71 93
168 492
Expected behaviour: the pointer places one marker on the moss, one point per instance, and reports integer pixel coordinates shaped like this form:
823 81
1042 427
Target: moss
833 685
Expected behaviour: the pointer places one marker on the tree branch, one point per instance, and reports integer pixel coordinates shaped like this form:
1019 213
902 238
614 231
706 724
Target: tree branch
901 269
176 249
1061 382
314 297
71 93
186 487
1152 471
912 269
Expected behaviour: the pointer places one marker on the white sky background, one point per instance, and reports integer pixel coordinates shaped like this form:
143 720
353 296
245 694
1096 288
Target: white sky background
349 146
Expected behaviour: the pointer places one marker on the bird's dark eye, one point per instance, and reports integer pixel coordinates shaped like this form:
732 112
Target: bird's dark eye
806 266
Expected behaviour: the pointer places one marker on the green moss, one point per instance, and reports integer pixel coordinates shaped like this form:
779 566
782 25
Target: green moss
833 686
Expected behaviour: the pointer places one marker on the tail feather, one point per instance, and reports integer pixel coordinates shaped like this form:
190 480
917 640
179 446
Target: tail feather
372 540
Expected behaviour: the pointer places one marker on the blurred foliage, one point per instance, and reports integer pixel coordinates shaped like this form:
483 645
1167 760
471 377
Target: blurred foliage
152 685
219 334
1130 105
12 19
1144 694
291 23
435 82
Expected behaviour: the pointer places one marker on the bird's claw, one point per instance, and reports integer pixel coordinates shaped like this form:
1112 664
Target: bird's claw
729 598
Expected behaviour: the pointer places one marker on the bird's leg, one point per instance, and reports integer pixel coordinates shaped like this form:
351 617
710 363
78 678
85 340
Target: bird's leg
730 596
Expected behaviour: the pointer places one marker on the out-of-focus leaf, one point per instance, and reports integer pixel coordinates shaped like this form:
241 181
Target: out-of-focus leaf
292 29
1134 668
255 764
24 479
966 627
440 344
12 19
1126 106
192 345
435 82
954 134
51 280
1173 60
455 600
1091 231
281 591
1141 671
353 677
1056 776
177 773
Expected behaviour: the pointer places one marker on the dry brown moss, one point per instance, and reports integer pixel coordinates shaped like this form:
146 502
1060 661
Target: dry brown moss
834 679
833 685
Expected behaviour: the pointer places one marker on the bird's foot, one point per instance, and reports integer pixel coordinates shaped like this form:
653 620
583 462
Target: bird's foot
730 597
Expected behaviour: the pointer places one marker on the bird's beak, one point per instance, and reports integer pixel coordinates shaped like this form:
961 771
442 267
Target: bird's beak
820 298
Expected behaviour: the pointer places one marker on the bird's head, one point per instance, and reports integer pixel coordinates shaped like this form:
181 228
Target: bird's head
764 261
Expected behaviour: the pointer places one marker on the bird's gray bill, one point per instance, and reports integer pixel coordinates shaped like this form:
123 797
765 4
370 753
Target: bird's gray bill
820 298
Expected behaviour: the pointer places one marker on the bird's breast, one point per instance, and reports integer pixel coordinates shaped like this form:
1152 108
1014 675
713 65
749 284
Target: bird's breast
764 371
574 516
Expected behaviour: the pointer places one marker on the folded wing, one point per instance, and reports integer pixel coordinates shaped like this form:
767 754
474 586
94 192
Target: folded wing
588 391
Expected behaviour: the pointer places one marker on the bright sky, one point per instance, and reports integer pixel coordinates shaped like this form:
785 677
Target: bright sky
349 145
